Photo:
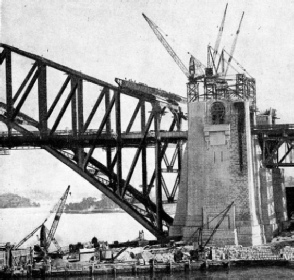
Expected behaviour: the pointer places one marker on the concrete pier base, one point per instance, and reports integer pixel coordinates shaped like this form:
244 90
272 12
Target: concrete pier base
221 165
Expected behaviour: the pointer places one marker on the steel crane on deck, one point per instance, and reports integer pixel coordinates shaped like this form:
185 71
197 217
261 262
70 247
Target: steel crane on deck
196 68
234 46
220 33
216 47
193 61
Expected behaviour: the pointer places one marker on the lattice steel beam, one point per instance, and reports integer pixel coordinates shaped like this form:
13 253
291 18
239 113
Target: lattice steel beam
79 137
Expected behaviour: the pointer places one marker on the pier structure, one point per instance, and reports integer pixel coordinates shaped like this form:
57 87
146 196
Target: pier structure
232 153
227 158
223 164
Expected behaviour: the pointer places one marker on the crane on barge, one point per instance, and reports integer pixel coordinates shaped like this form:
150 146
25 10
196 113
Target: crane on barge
56 220
46 235
29 236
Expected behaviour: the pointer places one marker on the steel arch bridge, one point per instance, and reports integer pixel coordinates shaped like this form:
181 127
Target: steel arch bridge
77 145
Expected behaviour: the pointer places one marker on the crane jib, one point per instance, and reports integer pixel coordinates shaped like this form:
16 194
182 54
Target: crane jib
56 219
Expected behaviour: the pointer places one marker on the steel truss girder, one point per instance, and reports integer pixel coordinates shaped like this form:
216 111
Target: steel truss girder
124 204
66 140
81 162
136 157
271 151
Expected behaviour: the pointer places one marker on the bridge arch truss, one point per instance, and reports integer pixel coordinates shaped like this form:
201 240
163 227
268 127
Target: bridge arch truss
99 125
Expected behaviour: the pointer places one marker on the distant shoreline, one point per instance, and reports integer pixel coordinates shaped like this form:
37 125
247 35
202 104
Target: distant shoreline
25 206
93 211
11 200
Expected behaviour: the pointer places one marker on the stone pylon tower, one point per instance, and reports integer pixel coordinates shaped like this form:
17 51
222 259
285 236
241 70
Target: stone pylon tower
221 164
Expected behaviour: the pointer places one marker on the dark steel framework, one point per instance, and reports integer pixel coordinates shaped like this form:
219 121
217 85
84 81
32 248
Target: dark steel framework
76 147
215 84
277 143
217 87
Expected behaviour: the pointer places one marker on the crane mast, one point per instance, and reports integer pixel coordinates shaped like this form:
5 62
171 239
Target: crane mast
57 218
219 36
234 45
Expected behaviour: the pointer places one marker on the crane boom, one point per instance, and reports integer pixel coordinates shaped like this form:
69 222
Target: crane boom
219 223
234 45
169 48
220 33
29 236
57 218
53 240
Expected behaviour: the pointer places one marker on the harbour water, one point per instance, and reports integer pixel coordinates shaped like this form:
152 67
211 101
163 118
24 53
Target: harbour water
15 224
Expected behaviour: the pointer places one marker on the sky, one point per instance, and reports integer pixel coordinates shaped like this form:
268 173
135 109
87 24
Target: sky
109 39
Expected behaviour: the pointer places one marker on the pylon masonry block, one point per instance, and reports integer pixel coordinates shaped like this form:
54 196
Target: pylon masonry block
222 164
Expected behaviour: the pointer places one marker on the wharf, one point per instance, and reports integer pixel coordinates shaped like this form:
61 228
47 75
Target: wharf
134 269
129 268
149 259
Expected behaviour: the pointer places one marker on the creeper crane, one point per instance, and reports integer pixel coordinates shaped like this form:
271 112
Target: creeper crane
233 46
193 61
220 33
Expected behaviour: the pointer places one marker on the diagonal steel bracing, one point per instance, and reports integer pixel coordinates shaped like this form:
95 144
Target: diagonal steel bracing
23 84
136 157
75 147
276 143
124 204
57 98
99 131
94 109
63 109
289 147
26 93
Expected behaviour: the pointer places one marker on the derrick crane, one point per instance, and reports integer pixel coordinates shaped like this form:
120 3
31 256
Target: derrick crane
29 236
234 46
172 53
59 211
199 230
219 36
219 223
